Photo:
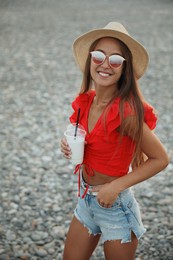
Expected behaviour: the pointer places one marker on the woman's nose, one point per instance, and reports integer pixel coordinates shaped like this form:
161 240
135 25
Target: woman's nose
106 62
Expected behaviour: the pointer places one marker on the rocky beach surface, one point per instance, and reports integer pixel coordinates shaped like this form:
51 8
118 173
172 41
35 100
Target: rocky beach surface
38 81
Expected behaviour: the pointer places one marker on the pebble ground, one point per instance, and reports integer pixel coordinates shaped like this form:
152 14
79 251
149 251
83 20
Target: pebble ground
38 80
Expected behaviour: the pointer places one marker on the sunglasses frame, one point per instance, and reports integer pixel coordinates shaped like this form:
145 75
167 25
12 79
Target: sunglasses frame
109 57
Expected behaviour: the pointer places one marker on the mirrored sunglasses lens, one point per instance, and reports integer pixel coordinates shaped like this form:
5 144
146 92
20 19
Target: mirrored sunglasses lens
116 61
97 60
97 57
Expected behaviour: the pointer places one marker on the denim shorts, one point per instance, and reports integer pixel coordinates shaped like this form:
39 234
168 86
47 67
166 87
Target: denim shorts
115 223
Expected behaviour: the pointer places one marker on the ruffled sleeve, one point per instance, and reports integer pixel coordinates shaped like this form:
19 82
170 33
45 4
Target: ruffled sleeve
81 102
114 119
150 117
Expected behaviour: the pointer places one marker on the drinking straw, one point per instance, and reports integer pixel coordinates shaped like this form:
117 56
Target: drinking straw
77 122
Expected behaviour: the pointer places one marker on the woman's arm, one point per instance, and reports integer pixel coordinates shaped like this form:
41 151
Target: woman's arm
156 162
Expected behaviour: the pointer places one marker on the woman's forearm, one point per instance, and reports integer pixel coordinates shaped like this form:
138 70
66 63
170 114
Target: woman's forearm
145 171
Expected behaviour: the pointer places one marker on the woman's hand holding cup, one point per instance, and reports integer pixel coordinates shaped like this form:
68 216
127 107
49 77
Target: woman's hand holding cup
65 148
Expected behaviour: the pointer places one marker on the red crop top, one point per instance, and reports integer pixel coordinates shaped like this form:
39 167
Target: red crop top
105 151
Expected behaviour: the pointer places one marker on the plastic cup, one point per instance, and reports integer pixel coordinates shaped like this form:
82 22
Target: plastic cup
76 143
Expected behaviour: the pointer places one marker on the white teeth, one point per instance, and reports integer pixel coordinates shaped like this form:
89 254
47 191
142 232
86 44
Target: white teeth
104 74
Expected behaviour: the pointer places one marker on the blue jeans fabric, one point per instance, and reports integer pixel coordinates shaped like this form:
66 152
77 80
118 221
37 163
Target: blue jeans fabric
115 223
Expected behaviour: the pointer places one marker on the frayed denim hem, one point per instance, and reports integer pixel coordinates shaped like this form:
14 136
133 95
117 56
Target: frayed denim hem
90 232
125 240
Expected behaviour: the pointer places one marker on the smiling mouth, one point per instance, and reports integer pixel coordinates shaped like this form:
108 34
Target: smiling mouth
104 74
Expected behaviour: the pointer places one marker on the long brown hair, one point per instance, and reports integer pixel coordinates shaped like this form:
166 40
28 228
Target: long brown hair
128 91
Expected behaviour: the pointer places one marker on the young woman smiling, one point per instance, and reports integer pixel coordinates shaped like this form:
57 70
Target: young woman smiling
119 125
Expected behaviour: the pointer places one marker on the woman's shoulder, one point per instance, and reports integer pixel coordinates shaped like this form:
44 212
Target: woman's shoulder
125 112
149 114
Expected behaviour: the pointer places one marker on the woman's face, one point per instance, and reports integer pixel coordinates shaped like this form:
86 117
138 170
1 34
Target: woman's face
103 74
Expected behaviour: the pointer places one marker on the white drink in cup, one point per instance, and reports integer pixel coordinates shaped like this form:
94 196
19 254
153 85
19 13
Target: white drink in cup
76 143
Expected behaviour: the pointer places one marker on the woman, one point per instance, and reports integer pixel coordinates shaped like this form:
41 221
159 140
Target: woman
118 123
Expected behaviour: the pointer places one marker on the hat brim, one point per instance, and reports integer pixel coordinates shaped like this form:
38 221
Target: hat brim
82 45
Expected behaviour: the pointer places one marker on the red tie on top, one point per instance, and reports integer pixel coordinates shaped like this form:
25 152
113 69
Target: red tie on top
90 173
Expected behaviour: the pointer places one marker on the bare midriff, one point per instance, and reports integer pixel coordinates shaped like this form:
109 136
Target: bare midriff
97 178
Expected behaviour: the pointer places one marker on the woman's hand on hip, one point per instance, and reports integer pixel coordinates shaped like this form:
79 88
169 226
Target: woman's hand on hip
106 195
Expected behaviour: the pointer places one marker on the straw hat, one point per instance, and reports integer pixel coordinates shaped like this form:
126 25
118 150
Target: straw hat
116 30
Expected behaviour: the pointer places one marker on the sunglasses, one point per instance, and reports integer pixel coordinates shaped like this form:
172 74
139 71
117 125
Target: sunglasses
115 61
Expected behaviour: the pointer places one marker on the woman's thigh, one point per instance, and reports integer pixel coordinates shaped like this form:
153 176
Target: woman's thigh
79 243
121 251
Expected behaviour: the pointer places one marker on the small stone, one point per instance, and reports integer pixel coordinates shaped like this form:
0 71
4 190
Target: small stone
49 245
58 232
41 252
39 235
2 250
10 236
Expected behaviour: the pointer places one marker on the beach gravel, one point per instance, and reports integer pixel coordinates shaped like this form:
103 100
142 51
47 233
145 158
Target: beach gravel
38 81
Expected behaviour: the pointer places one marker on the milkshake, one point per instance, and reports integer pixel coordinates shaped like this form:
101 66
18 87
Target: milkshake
76 141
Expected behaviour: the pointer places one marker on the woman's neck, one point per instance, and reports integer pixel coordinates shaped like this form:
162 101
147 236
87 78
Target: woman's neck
104 96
